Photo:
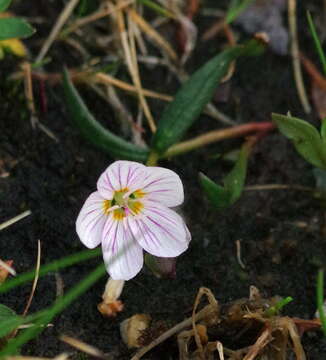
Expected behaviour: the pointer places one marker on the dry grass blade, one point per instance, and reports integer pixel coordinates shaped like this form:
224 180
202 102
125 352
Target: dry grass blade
202 314
66 12
292 5
153 34
8 268
259 345
219 347
83 347
129 49
15 219
93 17
27 73
28 88
108 79
62 356
37 272
297 346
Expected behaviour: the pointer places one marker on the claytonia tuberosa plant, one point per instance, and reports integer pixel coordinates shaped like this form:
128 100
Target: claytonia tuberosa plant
130 212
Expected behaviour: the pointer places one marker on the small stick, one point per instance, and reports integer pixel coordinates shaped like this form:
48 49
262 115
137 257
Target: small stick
292 5
129 52
279 187
177 328
93 17
81 346
68 9
238 245
7 268
28 87
15 219
37 272
153 34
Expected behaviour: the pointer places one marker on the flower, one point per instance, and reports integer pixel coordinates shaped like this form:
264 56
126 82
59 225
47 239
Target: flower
130 212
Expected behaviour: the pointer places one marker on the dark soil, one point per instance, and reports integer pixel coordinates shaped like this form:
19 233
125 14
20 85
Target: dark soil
281 231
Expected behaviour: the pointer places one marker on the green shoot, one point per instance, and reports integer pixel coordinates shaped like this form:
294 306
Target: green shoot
317 42
54 266
235 9
320 299
274 310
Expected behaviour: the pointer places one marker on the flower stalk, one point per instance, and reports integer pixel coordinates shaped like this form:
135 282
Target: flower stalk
218 135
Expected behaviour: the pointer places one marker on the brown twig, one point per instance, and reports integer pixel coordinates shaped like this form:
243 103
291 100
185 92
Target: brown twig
292 6
63 17
202 314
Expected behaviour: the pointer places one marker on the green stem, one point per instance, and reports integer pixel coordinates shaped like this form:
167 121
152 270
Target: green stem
274 310
152 159
320 299
217 135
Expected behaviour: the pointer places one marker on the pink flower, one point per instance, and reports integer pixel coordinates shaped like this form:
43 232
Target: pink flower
130 212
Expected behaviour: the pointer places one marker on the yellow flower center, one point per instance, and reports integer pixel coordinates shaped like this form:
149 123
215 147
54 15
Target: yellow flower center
124 204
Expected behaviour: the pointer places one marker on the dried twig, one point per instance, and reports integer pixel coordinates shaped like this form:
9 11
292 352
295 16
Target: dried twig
15 219
128 45
153 34
83 347
37 271
63 17
93 17
8 268
202 314
292 4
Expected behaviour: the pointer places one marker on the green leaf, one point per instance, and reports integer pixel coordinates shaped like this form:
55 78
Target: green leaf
48 314
217 194
9 320
194 94
94 132
4 4
305 138
6 312
14 28
235 9
317 42
223 197
323 130
235 180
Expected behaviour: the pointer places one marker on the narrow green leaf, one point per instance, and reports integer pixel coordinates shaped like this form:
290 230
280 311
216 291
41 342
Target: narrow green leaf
223 197
6 312
217 194
54 310
235 9
317 42
305 138
321 299
194 94
235 180
156 7
94 132
53 266
14 28
4 4
9 320
323 131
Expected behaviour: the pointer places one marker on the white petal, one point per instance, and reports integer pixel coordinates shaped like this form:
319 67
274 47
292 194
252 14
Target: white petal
122 255
160 231
91 220
119 175
163 186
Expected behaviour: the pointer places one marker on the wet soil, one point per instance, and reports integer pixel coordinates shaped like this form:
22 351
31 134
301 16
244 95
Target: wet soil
281 231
